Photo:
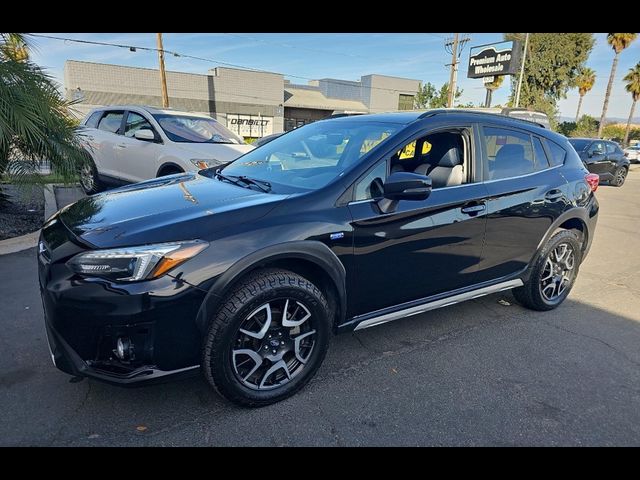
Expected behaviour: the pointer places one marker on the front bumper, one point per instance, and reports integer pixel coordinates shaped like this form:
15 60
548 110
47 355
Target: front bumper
84 318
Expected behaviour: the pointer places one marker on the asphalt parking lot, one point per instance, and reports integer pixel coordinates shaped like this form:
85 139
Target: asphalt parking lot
478 373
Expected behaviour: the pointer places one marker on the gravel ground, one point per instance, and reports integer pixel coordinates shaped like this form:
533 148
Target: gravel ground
23 213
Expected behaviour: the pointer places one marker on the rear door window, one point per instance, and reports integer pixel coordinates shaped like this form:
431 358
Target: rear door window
111 121
509 152
542 161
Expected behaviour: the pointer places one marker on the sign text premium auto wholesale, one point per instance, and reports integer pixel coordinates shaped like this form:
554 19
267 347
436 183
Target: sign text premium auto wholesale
494 59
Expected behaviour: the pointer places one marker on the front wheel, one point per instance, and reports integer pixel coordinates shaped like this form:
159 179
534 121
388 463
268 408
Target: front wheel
553 273
268 340
619 176
89 180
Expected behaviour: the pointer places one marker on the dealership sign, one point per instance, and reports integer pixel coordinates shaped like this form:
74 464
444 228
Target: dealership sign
254 126
495 59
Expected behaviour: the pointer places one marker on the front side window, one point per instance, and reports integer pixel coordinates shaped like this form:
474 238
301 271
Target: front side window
596 148
310 157
439 155
185 129
135 122
509 153
111 122
92 121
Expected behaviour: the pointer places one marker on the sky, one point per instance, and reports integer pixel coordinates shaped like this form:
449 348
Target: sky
346 56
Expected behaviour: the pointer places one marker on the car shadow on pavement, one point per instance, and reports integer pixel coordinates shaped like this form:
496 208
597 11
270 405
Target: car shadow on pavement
486 372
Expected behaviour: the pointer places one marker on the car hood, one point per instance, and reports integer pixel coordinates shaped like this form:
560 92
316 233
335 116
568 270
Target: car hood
223 152
176 207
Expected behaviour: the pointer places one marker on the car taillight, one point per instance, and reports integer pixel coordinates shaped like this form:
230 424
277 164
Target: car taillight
593 180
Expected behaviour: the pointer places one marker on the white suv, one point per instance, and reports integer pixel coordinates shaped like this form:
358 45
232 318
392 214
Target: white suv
133 143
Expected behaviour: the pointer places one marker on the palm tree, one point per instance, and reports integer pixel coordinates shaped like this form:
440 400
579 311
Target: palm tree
491 86
632 86
35 121
618 41
584 81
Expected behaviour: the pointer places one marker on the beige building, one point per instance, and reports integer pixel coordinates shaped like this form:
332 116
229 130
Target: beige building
253 104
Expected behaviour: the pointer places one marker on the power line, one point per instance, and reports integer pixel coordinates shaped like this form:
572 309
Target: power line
134 48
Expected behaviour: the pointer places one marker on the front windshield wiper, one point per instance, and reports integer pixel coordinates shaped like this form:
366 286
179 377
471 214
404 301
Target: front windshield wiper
241 179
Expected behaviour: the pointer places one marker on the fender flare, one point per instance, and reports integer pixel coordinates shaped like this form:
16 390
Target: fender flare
309 250
169 164
575 213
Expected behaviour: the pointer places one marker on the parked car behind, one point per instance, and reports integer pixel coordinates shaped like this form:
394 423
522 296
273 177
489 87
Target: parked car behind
604 158
244 272
632 153
131 143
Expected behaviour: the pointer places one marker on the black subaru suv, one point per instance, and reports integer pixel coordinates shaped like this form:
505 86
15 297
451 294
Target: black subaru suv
246 271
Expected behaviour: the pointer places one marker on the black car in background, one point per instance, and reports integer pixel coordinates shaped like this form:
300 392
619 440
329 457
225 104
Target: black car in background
604 158
246 271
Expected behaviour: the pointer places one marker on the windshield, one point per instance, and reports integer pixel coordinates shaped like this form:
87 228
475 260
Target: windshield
180 128
579 145
310 157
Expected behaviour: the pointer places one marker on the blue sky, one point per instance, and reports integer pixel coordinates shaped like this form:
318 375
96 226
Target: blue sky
338 55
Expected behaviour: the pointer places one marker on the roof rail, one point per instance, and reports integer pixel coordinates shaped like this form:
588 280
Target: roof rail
440 111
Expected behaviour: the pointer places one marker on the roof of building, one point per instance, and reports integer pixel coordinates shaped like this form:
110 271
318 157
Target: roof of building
305 98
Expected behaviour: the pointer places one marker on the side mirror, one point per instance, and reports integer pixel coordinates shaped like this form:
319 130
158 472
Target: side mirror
145 134
407 186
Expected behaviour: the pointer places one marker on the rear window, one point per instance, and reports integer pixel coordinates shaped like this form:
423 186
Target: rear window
558 154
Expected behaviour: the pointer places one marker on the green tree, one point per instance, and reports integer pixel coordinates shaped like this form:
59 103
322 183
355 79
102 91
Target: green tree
584 81
35 121
431 97
585 127
618 41
552 65
632 85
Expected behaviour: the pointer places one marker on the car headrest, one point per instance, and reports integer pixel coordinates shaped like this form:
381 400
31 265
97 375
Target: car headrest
511 152
450 159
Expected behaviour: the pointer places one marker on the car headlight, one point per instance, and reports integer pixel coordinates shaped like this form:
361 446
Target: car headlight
203 163
130 264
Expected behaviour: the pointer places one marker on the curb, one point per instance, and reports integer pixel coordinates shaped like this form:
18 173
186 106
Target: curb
30 240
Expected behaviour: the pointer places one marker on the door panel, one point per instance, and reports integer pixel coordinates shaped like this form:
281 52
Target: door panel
137 160
421 249
105 139
596 159
520 211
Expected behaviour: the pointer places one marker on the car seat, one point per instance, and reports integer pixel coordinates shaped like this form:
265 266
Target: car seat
447 172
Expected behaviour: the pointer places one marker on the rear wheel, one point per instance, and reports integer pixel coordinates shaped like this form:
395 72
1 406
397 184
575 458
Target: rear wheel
553 273
619 176
268 340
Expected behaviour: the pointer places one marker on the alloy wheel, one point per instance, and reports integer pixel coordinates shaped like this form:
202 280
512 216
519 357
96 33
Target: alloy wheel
620 176
273 344
86 177
558 272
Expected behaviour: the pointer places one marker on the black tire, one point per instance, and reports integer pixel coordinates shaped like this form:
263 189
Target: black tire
530 294
619 176
265 286
89 179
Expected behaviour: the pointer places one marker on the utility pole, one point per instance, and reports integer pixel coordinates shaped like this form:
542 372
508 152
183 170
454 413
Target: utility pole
454 47
163 75
452 76
524 59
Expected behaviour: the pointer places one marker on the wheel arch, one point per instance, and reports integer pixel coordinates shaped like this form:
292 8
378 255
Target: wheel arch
167 165
308 258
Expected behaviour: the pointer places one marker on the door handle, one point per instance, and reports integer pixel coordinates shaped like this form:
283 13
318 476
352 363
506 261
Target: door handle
121 145
474 209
